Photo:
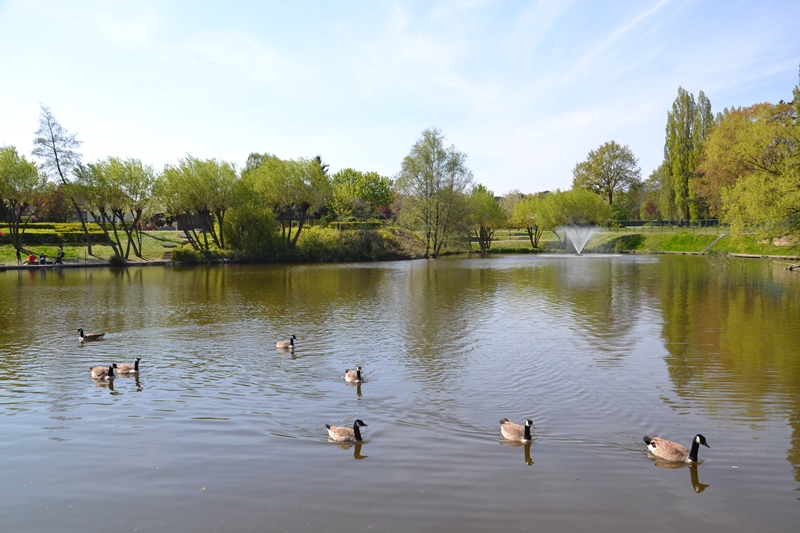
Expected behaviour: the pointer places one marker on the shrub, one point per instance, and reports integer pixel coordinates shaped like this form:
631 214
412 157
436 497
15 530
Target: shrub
117 260
189 256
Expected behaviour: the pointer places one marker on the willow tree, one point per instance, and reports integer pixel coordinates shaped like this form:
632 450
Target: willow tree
359 193
486 215
527 214
292 189
199 193
750 169
579 207
120 193
432 185
20 184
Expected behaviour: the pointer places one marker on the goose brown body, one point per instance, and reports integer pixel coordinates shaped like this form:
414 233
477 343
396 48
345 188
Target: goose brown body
342 434
103 373
90 336
512 431
353 376
286 344
672 451
129 369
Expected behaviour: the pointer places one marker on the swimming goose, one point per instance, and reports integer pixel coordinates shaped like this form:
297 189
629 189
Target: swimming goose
90 336
672 451
129 369
353 376
286 344
340 434
512 431
103 373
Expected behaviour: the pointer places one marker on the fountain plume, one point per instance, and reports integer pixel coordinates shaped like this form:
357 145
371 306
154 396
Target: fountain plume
579 235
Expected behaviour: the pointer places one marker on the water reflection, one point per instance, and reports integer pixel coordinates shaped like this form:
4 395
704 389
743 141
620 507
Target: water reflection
356 449
105 385
526 446
600 347
693 473
357 387
134 378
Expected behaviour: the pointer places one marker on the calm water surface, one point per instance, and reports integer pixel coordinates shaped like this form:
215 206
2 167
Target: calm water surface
222 432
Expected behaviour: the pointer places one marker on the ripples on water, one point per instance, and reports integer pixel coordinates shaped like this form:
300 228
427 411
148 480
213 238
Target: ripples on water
222 431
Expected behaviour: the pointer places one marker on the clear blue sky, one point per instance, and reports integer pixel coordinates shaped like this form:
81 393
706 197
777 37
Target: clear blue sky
524 88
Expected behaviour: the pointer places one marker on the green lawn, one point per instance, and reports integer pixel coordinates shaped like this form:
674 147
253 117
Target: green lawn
152 244
649 240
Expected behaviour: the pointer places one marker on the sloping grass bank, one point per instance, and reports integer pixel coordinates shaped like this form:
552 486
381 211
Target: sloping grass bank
674 241
315 245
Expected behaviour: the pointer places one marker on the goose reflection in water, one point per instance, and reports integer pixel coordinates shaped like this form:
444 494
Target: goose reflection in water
357 386
106 385
135 378
356 452
696 485
526 446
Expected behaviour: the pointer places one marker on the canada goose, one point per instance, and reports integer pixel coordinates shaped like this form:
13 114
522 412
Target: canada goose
103 373
353 376
672 451
90 336
129 369
340 434
512 431
287 344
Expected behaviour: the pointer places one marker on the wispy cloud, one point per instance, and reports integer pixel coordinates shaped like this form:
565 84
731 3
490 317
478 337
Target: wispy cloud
590 63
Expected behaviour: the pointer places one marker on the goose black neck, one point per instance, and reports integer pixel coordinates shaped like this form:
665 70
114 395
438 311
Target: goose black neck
527 432
358 374
357 431
694 450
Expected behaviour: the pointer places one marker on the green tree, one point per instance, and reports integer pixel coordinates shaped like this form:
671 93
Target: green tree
660 192
20 183
432 185
199 193
527 214
609 169
579 207
509 201
746 141
750 169
486 215
688 125
56 149
359 193
54 204
121 192
292 189
250 227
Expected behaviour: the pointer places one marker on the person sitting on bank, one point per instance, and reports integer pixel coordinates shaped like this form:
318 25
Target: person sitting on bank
59 255
32 259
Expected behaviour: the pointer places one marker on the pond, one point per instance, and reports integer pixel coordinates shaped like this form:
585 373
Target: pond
221 431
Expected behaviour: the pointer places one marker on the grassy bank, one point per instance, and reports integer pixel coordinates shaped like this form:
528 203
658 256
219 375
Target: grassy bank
318 244
315 245
670 240
155 246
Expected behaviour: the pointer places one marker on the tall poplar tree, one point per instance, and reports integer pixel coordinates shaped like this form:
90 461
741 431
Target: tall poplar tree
688 125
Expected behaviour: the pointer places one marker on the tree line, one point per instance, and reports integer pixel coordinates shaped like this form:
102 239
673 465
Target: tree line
741 165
